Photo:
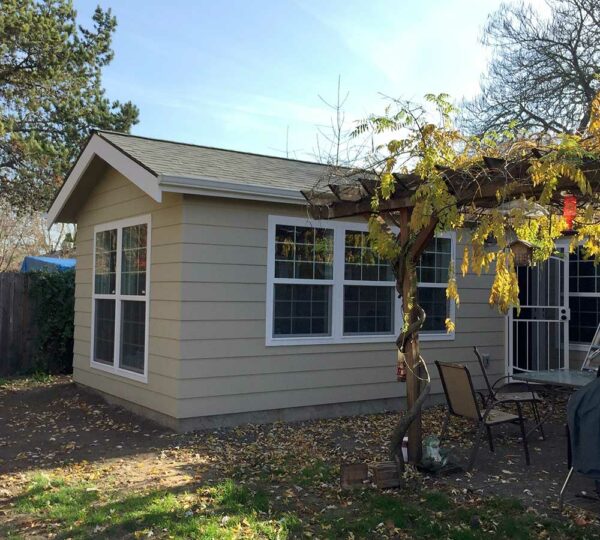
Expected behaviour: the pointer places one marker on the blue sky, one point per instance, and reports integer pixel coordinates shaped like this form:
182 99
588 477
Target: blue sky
239 74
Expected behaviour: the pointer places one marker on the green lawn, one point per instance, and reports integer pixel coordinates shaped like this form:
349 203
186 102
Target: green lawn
230 509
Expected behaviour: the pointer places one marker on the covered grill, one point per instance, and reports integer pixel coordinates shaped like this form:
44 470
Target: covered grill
583 417
583 414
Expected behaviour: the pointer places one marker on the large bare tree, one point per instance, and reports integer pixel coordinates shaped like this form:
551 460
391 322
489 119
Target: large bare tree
543 74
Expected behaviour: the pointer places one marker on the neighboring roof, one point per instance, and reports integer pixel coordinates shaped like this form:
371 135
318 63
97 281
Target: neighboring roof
157 166
48 264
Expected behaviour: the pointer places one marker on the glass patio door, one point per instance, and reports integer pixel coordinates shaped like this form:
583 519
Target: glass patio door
538 335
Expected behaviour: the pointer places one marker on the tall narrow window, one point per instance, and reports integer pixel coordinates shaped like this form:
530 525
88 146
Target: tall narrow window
105 294
303 281
368 304
432 277
120 297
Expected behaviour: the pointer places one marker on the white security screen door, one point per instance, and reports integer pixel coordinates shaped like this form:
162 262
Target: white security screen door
538 336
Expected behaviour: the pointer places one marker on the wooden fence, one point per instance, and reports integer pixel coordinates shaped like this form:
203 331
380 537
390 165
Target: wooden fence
17 331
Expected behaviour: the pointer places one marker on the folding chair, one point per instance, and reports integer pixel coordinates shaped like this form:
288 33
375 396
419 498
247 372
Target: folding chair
591 362
514 391
462 402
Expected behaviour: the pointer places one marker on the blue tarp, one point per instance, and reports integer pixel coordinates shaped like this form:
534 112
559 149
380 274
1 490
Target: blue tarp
49 264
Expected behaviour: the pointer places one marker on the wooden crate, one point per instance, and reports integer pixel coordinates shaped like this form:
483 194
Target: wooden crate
386 475
353 474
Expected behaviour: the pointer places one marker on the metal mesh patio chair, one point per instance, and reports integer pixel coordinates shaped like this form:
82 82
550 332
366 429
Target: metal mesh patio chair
514 391
462 401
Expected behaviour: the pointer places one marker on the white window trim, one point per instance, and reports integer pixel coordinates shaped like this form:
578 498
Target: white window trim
117 297
337 283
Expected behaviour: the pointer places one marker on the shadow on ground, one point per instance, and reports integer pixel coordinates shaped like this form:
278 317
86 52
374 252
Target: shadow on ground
51 424
69 457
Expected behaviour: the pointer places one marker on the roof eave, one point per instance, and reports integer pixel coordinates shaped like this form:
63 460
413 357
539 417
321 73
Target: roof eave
213 187
97 146
155 184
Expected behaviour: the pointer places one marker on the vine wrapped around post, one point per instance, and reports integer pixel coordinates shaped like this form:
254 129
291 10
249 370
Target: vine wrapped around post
415 316
415 410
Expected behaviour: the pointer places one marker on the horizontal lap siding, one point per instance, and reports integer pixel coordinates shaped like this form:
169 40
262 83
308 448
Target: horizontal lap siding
227 368
115 198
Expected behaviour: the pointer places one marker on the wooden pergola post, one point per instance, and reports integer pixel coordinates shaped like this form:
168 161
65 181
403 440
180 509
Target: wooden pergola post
411 355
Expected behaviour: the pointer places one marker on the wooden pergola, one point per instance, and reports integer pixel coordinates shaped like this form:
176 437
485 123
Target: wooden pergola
348 193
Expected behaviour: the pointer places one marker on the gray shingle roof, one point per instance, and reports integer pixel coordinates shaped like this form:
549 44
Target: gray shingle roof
190 161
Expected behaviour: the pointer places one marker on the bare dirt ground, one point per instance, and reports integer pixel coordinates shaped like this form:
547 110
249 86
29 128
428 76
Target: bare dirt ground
56 427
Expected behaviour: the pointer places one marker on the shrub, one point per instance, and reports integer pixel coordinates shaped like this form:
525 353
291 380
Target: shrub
53 299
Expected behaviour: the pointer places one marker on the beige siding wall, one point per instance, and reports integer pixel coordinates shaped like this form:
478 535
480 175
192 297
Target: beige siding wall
226 367
207 352
114 198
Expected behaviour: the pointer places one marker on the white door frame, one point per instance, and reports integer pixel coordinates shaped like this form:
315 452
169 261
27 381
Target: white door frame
563 314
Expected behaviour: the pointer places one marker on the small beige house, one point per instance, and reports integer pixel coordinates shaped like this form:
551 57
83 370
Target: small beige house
206 297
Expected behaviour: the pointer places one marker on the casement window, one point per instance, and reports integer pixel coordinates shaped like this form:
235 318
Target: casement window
326 285
120 295
584 299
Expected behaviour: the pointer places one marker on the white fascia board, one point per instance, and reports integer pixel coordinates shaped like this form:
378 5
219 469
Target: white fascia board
212 187
97 146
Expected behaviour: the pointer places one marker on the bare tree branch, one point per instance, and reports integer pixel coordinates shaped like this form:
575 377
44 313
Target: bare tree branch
544 70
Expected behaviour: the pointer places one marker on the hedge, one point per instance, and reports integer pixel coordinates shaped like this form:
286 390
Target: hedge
53 301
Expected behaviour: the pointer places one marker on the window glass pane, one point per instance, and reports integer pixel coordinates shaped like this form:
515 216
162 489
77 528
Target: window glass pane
434 262
368 310
133 332
433 300
584 276
302 310
133 262
104 331
105 262
361 261
303 252
585 317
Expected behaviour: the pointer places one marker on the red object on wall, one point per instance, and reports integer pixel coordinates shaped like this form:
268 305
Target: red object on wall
401 370
569 209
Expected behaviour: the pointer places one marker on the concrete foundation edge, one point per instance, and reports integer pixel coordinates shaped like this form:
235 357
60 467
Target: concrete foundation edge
291 414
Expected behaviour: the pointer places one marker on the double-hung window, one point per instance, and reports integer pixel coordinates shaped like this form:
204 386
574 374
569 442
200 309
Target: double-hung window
120 297
369 287
432 278
325 284
303 272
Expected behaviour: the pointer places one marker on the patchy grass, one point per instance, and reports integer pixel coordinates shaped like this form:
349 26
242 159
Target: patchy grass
78 510
107 474
26 382
56 500
228 509
317 473
434 515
